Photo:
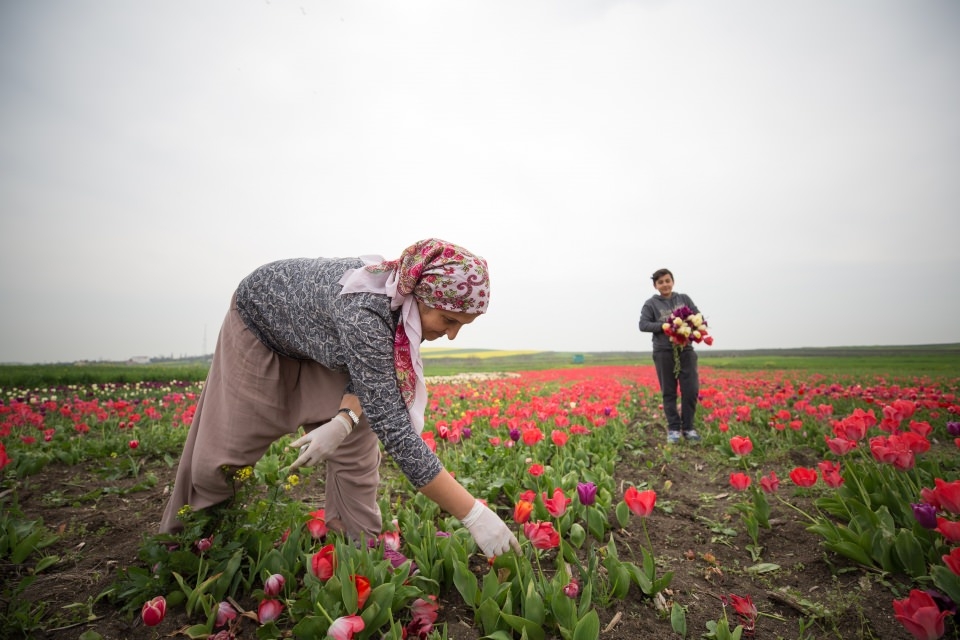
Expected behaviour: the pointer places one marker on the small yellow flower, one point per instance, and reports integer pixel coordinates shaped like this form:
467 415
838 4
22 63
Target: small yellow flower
184 511
293 480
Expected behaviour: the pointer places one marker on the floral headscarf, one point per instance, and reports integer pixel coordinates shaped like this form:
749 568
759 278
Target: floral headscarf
440 274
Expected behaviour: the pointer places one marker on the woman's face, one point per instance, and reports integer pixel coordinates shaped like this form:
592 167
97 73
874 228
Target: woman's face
437 322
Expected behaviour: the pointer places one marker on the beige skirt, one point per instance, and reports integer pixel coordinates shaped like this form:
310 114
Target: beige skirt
252 397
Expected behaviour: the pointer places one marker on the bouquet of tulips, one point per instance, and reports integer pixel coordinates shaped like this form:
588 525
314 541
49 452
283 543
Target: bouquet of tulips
683 327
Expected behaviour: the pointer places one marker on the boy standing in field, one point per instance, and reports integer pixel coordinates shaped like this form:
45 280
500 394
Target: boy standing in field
655 312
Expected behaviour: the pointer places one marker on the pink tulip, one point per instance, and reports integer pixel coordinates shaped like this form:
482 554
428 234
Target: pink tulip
268 610
153 611
770 483
344 627
557 505
542 535
225 614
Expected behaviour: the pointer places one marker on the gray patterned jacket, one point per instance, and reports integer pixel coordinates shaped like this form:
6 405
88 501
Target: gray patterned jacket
293 307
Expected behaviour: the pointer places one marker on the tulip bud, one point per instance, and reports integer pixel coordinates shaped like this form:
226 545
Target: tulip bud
572 589
273 585
153 611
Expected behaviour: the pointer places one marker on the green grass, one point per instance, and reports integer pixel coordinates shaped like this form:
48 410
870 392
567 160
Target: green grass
898 361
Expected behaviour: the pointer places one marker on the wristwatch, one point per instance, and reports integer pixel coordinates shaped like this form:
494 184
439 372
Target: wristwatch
350 414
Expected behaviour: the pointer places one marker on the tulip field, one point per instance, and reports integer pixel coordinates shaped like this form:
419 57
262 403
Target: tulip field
820 503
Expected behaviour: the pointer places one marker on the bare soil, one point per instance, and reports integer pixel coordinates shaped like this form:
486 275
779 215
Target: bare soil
687 533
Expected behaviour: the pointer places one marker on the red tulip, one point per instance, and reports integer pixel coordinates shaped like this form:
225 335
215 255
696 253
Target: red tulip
746 611
536 470
317 524
920 615
803 477
739 480
153 611
268 610
949 530
830 472
741 445
324 562
362 584
542 535
640 502
840 446
952 560
948 495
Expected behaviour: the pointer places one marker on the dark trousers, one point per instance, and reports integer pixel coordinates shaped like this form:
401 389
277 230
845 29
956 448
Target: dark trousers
689 383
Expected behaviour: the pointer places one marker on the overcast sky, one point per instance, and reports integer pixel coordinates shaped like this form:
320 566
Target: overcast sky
796 164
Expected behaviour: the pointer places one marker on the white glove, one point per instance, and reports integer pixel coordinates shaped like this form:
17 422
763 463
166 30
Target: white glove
491 534
320 443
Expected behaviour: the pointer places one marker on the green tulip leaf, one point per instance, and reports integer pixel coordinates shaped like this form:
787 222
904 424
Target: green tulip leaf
489 614
946 581
910 554
466 583
678 620
588 628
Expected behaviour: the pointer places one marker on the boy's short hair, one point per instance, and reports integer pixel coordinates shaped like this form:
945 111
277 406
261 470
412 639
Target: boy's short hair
659 273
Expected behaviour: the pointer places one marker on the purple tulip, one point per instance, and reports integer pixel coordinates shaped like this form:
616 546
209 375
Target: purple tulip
926 515
397 559
587 492
514 434
953 428
943 602
467 432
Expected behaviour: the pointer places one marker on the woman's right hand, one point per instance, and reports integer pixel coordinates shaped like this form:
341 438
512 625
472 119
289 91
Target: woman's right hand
491 534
